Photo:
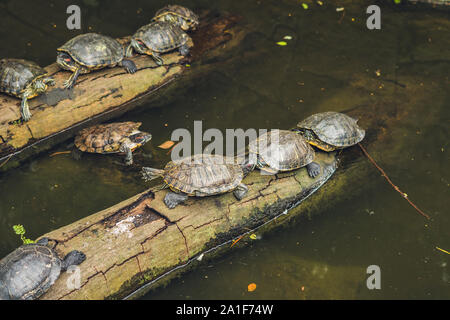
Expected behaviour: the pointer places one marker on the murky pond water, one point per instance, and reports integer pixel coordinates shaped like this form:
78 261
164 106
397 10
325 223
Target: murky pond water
325 66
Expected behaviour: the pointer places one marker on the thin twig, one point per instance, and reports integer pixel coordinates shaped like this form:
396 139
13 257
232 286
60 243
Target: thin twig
4 162
404 195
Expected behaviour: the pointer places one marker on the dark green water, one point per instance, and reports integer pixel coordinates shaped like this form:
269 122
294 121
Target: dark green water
324 67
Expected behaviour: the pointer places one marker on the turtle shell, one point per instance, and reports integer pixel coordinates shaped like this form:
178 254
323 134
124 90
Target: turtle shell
28 272
161 36
334 128
203 175
178 15
105 138
292 151
94 50
16 74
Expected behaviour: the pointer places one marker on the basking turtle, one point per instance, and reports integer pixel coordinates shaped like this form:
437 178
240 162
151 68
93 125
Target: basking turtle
158 37
91 51
179 16
30 270
118 137
329 131
23 79
200 176
283 150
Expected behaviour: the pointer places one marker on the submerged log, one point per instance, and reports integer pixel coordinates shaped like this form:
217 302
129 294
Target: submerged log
105 94
141 241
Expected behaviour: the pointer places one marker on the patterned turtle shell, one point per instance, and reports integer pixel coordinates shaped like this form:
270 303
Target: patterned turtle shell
29 271
94 50
105 138
203 175
161 37
335 129
16 74
178 15
282 150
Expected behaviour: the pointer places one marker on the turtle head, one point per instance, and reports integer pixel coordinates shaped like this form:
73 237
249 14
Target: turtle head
65 61
139 138
313 140
139 46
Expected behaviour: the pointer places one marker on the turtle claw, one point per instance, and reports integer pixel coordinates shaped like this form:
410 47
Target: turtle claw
313 169
173 199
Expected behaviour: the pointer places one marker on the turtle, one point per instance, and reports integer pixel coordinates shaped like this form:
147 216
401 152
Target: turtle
283 150
179 16
158 37
116 137
23 79
200 175
329 131
30 270
91 51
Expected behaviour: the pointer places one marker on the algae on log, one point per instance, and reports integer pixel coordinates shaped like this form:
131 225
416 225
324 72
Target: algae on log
104 94
140 240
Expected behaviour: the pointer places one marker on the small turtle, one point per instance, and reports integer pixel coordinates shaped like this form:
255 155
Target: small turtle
91 51
283 150
179 16
118 137
200 176
329 131
158 37
23 79
30 270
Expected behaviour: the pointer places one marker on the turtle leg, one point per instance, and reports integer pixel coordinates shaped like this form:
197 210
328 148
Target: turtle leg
240 191
173 199
313 169
76 154
184 50
129 65
73 258
49 81
69 83
43 241
129 154
24 108
159 61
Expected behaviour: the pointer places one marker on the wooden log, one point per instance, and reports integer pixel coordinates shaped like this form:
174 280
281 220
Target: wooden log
140 240
105 94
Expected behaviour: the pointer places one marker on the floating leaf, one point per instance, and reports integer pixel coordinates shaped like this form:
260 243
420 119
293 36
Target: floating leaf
282 43
397 1
251 287
253 237
320 3
287 37
340 9
166 145
305 6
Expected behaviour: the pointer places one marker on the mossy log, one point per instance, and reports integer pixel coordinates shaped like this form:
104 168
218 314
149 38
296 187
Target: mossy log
140 240
105 94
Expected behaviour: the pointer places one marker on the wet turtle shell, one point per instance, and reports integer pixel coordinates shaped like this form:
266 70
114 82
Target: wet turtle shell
203 175
331 130
17 74
105 138
177 15
290 152
93 50
161 37
30 270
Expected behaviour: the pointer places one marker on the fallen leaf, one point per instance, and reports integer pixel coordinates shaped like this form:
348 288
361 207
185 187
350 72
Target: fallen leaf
253 236
340 9
166 145
287 37
282 43
320 3
305 6
251 287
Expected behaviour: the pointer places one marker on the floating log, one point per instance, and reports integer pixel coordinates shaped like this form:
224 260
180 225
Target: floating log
105 94
141 241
